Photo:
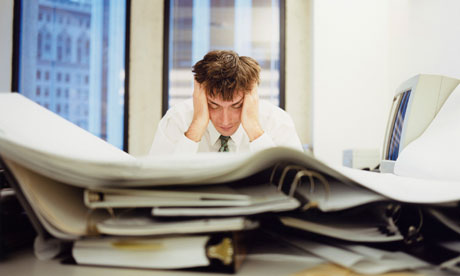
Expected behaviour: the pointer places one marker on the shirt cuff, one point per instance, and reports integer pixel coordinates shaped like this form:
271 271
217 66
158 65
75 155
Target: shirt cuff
185 145
263 142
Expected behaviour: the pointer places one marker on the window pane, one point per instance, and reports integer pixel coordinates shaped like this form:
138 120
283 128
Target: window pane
71 61
249 27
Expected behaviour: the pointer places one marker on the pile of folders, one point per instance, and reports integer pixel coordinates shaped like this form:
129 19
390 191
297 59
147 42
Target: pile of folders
208 210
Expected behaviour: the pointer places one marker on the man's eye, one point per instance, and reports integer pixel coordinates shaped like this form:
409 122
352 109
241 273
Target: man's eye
238 106
213 106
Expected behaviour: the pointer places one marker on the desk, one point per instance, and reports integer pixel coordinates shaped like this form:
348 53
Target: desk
24 263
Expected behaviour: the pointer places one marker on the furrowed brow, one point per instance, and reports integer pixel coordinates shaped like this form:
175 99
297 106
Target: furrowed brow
239 102
211 102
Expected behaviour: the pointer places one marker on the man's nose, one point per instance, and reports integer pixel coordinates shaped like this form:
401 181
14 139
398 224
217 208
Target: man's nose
225 116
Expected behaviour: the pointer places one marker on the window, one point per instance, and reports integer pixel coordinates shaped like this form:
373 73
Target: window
249 27
67 38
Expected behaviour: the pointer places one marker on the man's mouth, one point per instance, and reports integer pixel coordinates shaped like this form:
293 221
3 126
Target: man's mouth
226 128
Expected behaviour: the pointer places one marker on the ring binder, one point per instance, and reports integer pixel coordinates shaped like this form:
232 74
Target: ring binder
302 172
411 232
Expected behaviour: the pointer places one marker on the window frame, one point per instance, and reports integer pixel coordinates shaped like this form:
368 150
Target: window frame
17 16
166 57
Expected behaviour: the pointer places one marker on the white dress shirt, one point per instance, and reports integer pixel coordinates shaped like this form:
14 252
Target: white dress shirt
279 130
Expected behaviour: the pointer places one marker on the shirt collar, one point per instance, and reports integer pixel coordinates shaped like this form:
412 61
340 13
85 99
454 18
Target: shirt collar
214 135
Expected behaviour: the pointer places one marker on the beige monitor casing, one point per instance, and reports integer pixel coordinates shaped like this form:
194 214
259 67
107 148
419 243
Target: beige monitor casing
428 94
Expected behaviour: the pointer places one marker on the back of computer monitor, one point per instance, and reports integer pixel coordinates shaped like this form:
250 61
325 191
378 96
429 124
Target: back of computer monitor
415 104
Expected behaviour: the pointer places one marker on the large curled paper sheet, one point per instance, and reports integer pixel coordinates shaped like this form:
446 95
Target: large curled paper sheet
43 142
436 153
405 188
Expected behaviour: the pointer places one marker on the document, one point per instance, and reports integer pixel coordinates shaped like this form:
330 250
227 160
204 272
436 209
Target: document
264 197
351 231
359 259
404 188
148 226
209 195
338 195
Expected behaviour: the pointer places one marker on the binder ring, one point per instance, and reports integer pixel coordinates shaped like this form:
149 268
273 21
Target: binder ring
301 172
413 233
311 175
272 175
284 173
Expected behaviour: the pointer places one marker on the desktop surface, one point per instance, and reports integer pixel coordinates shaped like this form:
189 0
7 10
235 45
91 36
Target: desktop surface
23 262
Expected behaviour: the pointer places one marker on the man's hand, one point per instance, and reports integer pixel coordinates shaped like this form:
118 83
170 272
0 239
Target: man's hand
200 113
250 114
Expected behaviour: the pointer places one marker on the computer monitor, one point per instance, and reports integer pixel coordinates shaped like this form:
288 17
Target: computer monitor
415 104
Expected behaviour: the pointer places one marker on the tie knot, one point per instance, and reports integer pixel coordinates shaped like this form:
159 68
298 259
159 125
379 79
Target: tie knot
223 143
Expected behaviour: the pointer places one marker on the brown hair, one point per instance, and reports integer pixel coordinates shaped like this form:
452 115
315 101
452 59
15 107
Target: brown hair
224 72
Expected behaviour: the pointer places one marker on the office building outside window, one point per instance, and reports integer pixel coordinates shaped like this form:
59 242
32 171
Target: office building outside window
71 60
248 27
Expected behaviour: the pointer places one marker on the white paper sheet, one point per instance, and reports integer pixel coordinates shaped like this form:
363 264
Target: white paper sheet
282 205
359 260
356 232
405 189
35 127
341 196
43 142
436 153
145 226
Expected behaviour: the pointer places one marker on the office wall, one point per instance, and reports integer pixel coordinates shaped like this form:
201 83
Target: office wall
362 51
146 72
299 66
6 45
425 38
350 76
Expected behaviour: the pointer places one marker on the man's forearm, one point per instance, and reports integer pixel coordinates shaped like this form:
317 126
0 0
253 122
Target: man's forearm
254 132
195 131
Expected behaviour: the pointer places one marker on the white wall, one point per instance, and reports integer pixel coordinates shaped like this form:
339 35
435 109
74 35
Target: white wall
350 79
425 38
6 44
362 51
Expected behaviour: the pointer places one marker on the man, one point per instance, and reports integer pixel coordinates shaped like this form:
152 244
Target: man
225 113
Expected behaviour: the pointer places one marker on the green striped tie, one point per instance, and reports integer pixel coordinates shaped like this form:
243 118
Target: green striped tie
223 143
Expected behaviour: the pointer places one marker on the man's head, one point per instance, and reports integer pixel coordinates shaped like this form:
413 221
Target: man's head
226 78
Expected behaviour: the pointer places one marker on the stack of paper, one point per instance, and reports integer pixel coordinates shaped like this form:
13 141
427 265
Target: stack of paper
78 187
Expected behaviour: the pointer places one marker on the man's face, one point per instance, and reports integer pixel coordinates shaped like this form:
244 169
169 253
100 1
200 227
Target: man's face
226 115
